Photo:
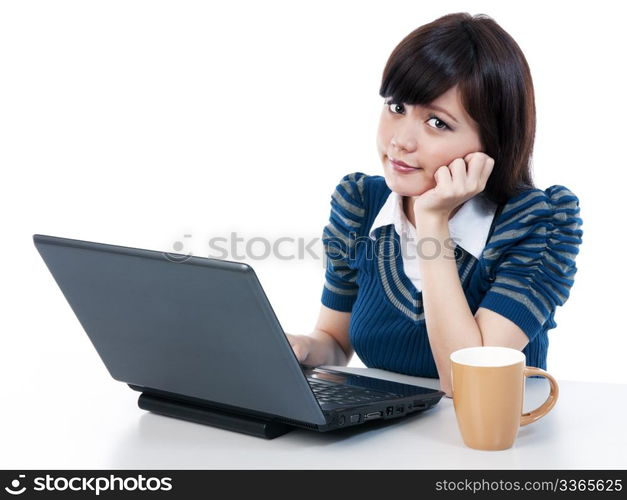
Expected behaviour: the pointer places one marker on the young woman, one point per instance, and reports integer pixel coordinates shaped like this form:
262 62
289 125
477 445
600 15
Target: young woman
453 246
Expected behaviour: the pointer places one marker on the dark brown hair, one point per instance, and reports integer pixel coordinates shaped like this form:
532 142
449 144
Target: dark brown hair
494 81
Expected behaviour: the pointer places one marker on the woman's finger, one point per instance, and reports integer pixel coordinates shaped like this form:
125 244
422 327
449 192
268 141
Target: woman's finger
486 171
475 169
458 174
443 179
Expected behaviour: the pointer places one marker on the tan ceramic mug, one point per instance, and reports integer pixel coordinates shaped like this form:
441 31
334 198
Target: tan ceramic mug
488 390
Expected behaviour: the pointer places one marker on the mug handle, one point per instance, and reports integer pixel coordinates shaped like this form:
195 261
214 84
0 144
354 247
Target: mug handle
532 416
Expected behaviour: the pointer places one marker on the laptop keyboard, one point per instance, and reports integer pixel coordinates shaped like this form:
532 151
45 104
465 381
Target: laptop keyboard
346 394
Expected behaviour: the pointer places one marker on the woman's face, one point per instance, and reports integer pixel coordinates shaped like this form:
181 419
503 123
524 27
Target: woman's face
424 137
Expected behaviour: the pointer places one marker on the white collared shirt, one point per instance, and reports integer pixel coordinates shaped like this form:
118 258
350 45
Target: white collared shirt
469 228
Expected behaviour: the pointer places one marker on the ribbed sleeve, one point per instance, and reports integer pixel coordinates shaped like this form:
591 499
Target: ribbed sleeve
338 238
530 258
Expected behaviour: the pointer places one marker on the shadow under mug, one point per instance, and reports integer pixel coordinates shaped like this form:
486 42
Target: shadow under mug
488 385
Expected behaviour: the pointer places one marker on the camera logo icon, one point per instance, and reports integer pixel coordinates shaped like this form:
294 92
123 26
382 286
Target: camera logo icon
15 484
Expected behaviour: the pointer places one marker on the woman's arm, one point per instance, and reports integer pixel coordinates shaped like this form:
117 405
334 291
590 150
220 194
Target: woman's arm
450 323
328 344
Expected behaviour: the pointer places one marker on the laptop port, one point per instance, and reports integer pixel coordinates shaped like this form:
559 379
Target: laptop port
372 415
400 409
389 410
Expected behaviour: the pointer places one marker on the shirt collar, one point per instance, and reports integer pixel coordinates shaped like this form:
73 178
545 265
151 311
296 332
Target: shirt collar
391 213
469 227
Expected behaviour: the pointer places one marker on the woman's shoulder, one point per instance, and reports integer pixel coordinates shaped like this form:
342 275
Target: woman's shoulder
358 188
555 204
537 217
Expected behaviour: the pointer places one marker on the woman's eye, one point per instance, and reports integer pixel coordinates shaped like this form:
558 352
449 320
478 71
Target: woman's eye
393 107
439 124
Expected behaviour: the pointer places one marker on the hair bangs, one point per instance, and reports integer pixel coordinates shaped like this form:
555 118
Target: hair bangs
416 82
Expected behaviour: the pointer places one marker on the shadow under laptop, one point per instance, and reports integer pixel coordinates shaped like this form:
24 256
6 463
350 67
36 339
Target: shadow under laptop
157 441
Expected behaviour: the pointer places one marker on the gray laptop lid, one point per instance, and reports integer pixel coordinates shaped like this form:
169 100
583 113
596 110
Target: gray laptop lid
198 327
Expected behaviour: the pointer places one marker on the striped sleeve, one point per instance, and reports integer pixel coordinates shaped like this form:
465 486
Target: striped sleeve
530 258
338 238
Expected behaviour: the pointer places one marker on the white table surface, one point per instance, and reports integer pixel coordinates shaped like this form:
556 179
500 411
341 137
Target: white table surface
105 429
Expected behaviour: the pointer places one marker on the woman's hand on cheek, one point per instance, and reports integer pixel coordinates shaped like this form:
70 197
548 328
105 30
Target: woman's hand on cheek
456 183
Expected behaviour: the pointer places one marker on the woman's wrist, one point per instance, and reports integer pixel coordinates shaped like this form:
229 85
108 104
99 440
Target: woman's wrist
431 221
324 350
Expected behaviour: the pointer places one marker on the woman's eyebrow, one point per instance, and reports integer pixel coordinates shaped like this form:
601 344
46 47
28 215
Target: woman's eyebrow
441 110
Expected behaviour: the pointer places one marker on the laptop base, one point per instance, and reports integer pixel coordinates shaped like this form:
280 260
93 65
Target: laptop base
254 426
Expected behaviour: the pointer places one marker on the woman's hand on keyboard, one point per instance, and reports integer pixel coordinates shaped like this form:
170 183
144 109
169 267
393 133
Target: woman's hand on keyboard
301 345
317 348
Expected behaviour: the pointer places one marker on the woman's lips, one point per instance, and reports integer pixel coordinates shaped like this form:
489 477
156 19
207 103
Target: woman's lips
402 169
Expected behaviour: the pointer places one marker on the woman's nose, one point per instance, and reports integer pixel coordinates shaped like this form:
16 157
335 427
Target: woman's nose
404 138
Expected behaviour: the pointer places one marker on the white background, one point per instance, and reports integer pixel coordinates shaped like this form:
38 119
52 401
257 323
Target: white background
137 122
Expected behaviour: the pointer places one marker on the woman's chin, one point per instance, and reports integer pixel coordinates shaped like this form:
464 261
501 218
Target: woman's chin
413 193
404 190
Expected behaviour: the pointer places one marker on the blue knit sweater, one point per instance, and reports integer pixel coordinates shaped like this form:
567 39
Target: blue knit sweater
525 271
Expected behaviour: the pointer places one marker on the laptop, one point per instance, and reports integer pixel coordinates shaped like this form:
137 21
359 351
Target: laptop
198 338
